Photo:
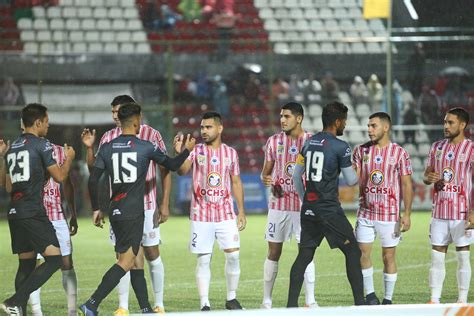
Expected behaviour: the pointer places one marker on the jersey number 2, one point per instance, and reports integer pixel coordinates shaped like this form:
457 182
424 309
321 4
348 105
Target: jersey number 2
124 171
314 165
22 159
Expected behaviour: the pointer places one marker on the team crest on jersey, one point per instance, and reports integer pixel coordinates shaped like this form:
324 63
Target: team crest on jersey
214 179
450 155
201 158
376 177
293 150
290 168
448 175
378 159
214 161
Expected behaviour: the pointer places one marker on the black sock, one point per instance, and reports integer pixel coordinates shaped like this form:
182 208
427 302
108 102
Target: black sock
137 278
354 271
25 268
109 281
37 278
305 255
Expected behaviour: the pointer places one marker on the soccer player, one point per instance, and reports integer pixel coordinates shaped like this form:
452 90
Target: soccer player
449 168
382 166
284 205
216 177
28 160
53 205
151 234
322 159
126 160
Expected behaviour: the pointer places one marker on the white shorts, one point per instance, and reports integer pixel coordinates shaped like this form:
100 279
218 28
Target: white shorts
445 231
151 236
389 232
203 235
281 225
64 237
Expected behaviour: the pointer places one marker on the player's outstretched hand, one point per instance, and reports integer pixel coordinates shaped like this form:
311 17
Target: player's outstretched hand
4 146
88 137
178 143
190 142
241 221
73 226
98 218
405 223
70 153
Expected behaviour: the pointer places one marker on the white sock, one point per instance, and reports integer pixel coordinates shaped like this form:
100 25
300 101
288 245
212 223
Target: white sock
70 287
463 274
157 275
437 274
123 289
270 272
389 281
35 302
203 277
232 273
309 277
368 275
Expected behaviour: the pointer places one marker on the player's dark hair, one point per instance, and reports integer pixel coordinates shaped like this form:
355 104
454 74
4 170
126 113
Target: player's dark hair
382 116
122 99
32 112
212 115
462 114
295 108
333 111
127 111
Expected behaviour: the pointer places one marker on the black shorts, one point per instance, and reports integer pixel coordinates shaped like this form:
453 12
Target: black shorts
334 226
128 233
32 234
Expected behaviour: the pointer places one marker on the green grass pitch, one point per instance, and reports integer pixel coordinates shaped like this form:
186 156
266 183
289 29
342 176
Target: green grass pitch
93 255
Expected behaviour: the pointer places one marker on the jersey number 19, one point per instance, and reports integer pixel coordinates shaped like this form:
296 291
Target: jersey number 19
124 171
314 166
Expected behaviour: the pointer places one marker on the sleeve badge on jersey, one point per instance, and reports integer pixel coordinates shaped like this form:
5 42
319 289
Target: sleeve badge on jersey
48 146
348 152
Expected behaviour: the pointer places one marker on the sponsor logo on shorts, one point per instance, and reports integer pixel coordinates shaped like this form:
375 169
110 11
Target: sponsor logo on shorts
376 177
116 212
152 235
309 213
12 211
236 237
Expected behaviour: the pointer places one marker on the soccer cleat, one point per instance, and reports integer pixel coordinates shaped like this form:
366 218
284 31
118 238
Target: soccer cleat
205 308
159 310
372 299
10 309
121 312
312 305
233 304
266 306
147 310
386 302
86 311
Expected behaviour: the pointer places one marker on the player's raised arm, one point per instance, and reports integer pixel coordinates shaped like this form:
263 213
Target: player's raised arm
58 173
175 163
88 139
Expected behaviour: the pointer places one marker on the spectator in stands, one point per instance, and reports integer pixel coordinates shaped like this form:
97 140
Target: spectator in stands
312 90
397 102
330 89
280 90
9 92
410 117
429 107
455 94
252 89
151 16
375 91
191 10
168 17
295 88
219 96
358 91
416 69
203 88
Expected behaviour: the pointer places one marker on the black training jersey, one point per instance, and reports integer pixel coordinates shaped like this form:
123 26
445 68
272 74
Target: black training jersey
323 156
27 160
126 160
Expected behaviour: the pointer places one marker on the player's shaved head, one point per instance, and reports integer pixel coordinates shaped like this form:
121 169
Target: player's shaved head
32 112
384 117
122 99
212 115
294 107
127 111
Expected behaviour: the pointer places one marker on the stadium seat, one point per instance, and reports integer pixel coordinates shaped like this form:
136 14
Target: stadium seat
111 48
88 24
79 48
130 13
25 24
327 48
112 3
73 24
43 36
38 12
302 25
261 3
123 36
40 24
92 36
47 48
276 3
311 13
54 12
30 48
69 13
297 48
276 36
361 25
312 48
281 48
362 110
358 48
321 36
316 25
95 48
138 36
287 24
281 13
306 4
374 48
142 48
107 36
127 48
56 24
271 25
66 3
59 36
84 12
331 25
296 13
411 149
266 13
82 3
134 25
76 36
115 13
307 36
325 13
100 13
127 3
424 149
28 36
103 25
97 3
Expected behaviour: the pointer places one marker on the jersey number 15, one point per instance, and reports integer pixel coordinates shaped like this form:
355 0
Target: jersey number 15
314 165
124 171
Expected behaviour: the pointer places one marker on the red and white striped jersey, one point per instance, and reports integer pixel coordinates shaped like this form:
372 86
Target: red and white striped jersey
52 189
212 199
149 134
454 164
380 177
283 150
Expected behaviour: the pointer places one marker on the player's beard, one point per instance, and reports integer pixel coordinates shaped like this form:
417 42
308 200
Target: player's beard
340 131
452 135
210 140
